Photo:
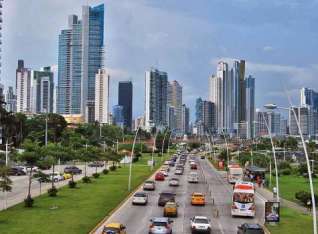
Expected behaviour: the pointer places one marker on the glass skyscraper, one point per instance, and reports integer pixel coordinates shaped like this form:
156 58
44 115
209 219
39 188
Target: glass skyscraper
125 97
80 57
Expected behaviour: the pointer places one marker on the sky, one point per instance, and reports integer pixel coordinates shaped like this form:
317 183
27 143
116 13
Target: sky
186 38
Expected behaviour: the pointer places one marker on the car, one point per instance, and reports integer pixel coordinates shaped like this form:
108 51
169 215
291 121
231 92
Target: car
159 176
174 182
72 170
197 199
165 197
16 171
170 209
202 157
96 164
160 226
56 177
164 172
178 171
166 163
67 176
172 163
246 228
140 198
200 224
114 228
193 166
149 185
165 168
27 169
193 177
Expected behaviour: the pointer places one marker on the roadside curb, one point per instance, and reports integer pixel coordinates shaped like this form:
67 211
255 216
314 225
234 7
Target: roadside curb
266 229
121 203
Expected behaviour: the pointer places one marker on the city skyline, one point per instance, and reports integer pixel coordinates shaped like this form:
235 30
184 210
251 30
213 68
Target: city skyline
270 65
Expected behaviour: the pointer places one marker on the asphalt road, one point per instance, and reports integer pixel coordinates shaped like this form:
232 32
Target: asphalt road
20 186
211 183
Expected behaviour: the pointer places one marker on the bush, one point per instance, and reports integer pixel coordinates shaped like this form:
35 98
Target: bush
72 184
105 171
285 171
274 173
96 175
28 202
86 179
52 191
112 168
135 159
304 197
284 165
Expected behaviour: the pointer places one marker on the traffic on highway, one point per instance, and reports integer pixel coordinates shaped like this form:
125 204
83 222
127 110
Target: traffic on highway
187 195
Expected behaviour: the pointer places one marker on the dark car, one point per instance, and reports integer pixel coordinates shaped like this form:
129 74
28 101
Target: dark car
250 229
72 170
96 164
16 171
165 197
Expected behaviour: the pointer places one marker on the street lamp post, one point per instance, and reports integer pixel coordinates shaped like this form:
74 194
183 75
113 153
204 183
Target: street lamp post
153 149
313 201
227 149
163 142
274 154
46 128
7 152
131 158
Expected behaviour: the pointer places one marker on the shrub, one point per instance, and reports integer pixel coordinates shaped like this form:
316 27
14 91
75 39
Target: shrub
105 171
304 197
274 173
135 159
112 168
285 171
96 175
28 202
52 191
284 165
86 179
72 184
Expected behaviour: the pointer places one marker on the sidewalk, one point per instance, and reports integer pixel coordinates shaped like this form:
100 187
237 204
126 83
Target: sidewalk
269 196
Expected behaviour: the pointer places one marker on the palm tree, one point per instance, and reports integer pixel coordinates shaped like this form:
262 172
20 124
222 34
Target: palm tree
5 182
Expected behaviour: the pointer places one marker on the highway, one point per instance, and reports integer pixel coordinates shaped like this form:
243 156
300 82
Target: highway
211 183
20 186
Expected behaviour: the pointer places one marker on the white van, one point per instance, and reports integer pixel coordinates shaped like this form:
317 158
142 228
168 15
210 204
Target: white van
193 177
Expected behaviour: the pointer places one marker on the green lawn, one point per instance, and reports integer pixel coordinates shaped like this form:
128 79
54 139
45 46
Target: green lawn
291 184
77 210
292 222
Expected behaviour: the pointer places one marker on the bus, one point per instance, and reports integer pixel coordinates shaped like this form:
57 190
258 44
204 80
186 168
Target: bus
234 173
243 201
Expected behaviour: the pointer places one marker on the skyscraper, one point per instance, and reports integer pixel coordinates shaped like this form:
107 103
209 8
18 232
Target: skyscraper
308 97
250 105
80 58
199 110
172 118
209 116
175 100
156 84
42 88
125 99
118 115
102 96
185 119
23 87
305 116
11 100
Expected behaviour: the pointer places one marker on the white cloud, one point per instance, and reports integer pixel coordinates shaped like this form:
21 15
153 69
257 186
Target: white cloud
268 48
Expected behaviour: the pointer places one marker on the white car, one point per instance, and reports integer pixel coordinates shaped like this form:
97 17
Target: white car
200 224
140 198
164 172
56 177
27 169
166 163
174 182
193 177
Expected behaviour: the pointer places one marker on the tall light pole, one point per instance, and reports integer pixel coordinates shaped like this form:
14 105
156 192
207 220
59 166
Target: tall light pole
131 158
163 143
274 153
227 149
312 192
46 113
170 140
153 148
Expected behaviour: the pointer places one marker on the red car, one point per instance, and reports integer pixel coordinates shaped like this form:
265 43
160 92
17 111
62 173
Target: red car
194 166
159 176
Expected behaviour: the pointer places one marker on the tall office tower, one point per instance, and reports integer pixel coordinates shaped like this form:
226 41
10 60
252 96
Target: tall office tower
208 116
42 88
172 118
283 127
175 100
102 96
308 97
250 106
23 88
118 115
156 84
11 100
274 122
79 59
185 119
261 129
199 110
305 115
125 99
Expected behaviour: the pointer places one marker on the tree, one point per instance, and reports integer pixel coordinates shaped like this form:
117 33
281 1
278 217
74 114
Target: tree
291 143
5 182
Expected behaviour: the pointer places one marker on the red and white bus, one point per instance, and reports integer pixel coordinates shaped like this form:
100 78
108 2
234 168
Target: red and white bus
243 202
234 173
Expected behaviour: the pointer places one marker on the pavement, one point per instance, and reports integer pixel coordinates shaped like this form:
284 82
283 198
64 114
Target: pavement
218 197
20 186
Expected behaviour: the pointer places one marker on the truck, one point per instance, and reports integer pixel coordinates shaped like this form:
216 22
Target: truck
234 173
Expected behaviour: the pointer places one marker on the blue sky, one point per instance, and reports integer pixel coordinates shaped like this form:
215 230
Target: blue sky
277 38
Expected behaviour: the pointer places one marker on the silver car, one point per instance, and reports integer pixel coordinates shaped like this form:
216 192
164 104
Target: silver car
160 226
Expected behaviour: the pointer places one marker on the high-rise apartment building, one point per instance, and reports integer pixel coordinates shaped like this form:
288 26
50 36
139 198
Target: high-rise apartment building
199 110
23 88
79 59
305 116
42 90
172 118
185 119
156 85
125 99
118 115
250 106
102 96
309 98
208 116
11 100
175 100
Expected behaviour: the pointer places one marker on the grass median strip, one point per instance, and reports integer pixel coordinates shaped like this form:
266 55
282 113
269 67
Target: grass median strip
74 210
